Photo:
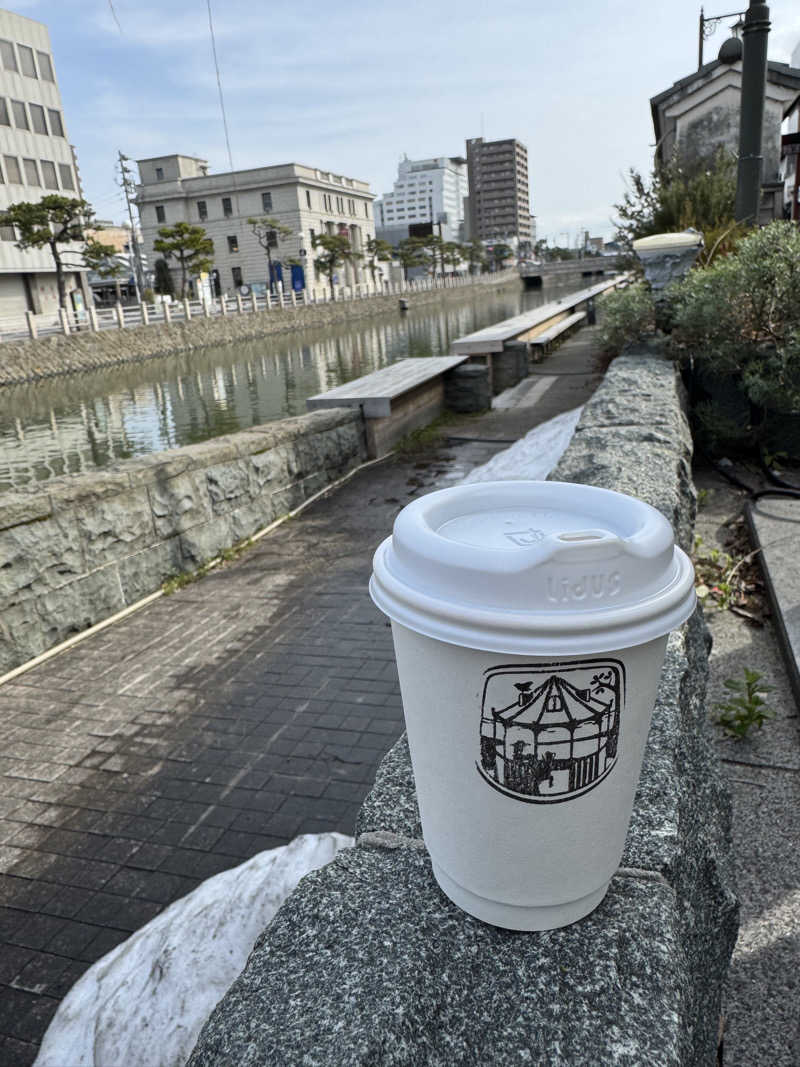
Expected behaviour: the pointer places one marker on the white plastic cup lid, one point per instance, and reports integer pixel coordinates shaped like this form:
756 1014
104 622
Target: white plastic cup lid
550 568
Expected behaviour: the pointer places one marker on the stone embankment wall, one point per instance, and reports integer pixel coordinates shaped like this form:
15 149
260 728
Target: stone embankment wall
83 547
47 357
367 963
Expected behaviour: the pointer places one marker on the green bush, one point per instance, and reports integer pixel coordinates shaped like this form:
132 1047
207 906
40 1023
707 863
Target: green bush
739 320
628 316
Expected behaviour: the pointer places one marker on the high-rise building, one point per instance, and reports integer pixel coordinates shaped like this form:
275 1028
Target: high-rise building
499 197
307 200
427 193
36 159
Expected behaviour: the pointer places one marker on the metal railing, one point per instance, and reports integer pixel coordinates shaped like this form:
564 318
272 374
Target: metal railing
94 320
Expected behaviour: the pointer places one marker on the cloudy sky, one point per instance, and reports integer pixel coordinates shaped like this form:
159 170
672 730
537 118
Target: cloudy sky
352 86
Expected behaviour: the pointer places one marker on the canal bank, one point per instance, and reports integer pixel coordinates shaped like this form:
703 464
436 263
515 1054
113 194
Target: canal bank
77 423
60 354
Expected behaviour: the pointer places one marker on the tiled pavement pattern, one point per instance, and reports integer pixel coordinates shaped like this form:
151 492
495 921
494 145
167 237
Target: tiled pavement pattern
223 720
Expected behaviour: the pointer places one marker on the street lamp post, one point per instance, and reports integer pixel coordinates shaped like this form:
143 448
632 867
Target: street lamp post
751 123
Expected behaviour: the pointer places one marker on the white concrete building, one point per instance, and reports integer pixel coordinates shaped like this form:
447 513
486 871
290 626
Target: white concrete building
308 200
426 191
36 159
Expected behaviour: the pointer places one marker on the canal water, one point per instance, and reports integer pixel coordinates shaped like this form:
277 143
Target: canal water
84 421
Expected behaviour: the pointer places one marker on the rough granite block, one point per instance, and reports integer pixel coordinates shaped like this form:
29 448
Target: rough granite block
18 508
369 963
38 556
179 503
144 572
114 526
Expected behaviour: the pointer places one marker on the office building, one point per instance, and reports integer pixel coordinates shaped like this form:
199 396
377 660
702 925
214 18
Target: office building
499 197
36 159
428 196
307 200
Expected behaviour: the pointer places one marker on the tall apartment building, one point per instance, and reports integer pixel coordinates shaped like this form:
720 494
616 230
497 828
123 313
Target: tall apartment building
35 159
308 200
427 191
499 197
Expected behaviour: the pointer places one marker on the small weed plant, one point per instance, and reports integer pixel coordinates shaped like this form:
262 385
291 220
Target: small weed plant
726 581
746 706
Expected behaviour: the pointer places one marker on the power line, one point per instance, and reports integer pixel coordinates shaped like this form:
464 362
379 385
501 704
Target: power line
219 85
113 12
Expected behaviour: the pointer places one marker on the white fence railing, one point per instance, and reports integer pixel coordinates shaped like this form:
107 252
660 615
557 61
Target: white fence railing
93 320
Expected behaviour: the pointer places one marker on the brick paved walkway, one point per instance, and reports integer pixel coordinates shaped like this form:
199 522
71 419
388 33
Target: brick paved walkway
245 709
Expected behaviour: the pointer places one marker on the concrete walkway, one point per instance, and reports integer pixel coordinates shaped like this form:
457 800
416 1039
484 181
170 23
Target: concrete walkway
763 776
245 709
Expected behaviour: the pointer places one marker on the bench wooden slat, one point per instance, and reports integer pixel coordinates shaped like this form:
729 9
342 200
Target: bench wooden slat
559 328
374 392
491 338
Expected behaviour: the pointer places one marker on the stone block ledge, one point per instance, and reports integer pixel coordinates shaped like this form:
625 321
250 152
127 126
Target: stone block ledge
78 549
368 963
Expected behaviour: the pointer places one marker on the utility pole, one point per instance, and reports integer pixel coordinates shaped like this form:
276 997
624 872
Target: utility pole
128 187
751 125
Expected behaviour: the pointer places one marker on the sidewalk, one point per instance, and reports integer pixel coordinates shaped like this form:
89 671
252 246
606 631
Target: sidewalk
763 776
223 720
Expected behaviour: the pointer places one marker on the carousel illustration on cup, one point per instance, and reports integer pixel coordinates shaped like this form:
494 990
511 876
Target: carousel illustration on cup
549 731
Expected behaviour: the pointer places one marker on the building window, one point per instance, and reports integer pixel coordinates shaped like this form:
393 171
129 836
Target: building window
266 201
13 173
8 56
202 210
236 273
313 236
45 66
49 174
159 174
65 172
37 119
7 233
20 115
227 207
56 125
161 215
233 244
366 210
26 61
4 117
31 172
308 198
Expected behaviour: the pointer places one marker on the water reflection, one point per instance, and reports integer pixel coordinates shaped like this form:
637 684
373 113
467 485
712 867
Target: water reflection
89 420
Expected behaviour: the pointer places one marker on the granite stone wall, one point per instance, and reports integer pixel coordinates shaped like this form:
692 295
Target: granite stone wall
367 963
78 549
47 357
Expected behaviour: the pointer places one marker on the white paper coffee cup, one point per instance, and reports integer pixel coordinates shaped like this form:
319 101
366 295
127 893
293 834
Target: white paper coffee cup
530 621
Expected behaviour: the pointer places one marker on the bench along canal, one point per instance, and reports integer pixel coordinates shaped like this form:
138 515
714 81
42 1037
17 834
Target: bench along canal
88 420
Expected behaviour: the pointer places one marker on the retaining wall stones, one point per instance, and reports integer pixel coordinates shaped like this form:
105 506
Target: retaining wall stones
47 357
367 963
85 546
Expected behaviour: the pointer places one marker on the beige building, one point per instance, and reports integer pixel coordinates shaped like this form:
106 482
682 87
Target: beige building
308 200
36 159
499 194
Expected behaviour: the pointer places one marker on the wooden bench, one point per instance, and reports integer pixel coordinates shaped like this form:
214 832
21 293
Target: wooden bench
394 400
545 339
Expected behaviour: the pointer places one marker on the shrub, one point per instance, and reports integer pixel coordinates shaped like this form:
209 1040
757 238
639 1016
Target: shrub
628 316
740 321
677 197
